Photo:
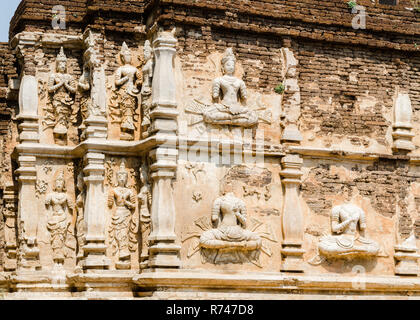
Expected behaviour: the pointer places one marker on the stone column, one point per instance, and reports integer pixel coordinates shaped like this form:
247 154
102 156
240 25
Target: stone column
28 215
292 215
95 213
406 258
402 124
164 253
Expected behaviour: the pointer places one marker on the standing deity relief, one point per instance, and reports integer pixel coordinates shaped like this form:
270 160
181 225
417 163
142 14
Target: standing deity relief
229 101
60 111
124 222
60 221
126 94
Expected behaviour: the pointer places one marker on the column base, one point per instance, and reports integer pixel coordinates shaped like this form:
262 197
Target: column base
292 259
164 255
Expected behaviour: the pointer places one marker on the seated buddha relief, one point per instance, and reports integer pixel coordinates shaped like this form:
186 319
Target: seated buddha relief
229 241
229 96
348 224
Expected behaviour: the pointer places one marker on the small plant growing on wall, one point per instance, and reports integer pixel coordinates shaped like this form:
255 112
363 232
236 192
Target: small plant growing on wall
416 5
351 4
280 88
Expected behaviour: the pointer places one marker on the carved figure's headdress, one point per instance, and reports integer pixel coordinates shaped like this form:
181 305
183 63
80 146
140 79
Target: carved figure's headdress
124 49
147 47
61 56
122 168
228 56
144 172
60 177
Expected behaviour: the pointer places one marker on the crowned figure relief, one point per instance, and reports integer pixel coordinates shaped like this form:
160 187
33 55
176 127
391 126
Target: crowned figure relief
123 221
61 88
229 97
127 80
60 222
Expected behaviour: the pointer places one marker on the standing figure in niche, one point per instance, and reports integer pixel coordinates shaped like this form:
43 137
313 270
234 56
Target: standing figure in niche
61 87
228 93
145 203
127 79
146 90
123 220
60 221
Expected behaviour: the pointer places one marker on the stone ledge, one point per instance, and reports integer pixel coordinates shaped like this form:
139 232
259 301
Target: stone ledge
268 282
202 284
350 155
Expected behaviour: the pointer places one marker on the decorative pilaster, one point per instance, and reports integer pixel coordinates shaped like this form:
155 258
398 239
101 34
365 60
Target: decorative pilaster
292 216
164 253
95 213
28 215
406 257
402 124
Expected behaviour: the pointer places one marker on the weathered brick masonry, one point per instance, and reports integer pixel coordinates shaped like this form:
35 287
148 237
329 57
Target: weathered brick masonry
347 78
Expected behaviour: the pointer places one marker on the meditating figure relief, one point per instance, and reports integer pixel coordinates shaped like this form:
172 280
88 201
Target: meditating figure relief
229 97
345 240
229 241
227 93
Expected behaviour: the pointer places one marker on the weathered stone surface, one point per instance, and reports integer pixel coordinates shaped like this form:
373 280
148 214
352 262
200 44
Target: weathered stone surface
176 148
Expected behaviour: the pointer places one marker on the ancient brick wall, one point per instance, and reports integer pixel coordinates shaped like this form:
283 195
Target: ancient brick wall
347 84
385 182
327 20
342 75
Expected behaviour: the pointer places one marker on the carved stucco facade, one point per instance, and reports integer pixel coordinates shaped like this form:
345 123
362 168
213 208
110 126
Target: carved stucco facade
178 169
